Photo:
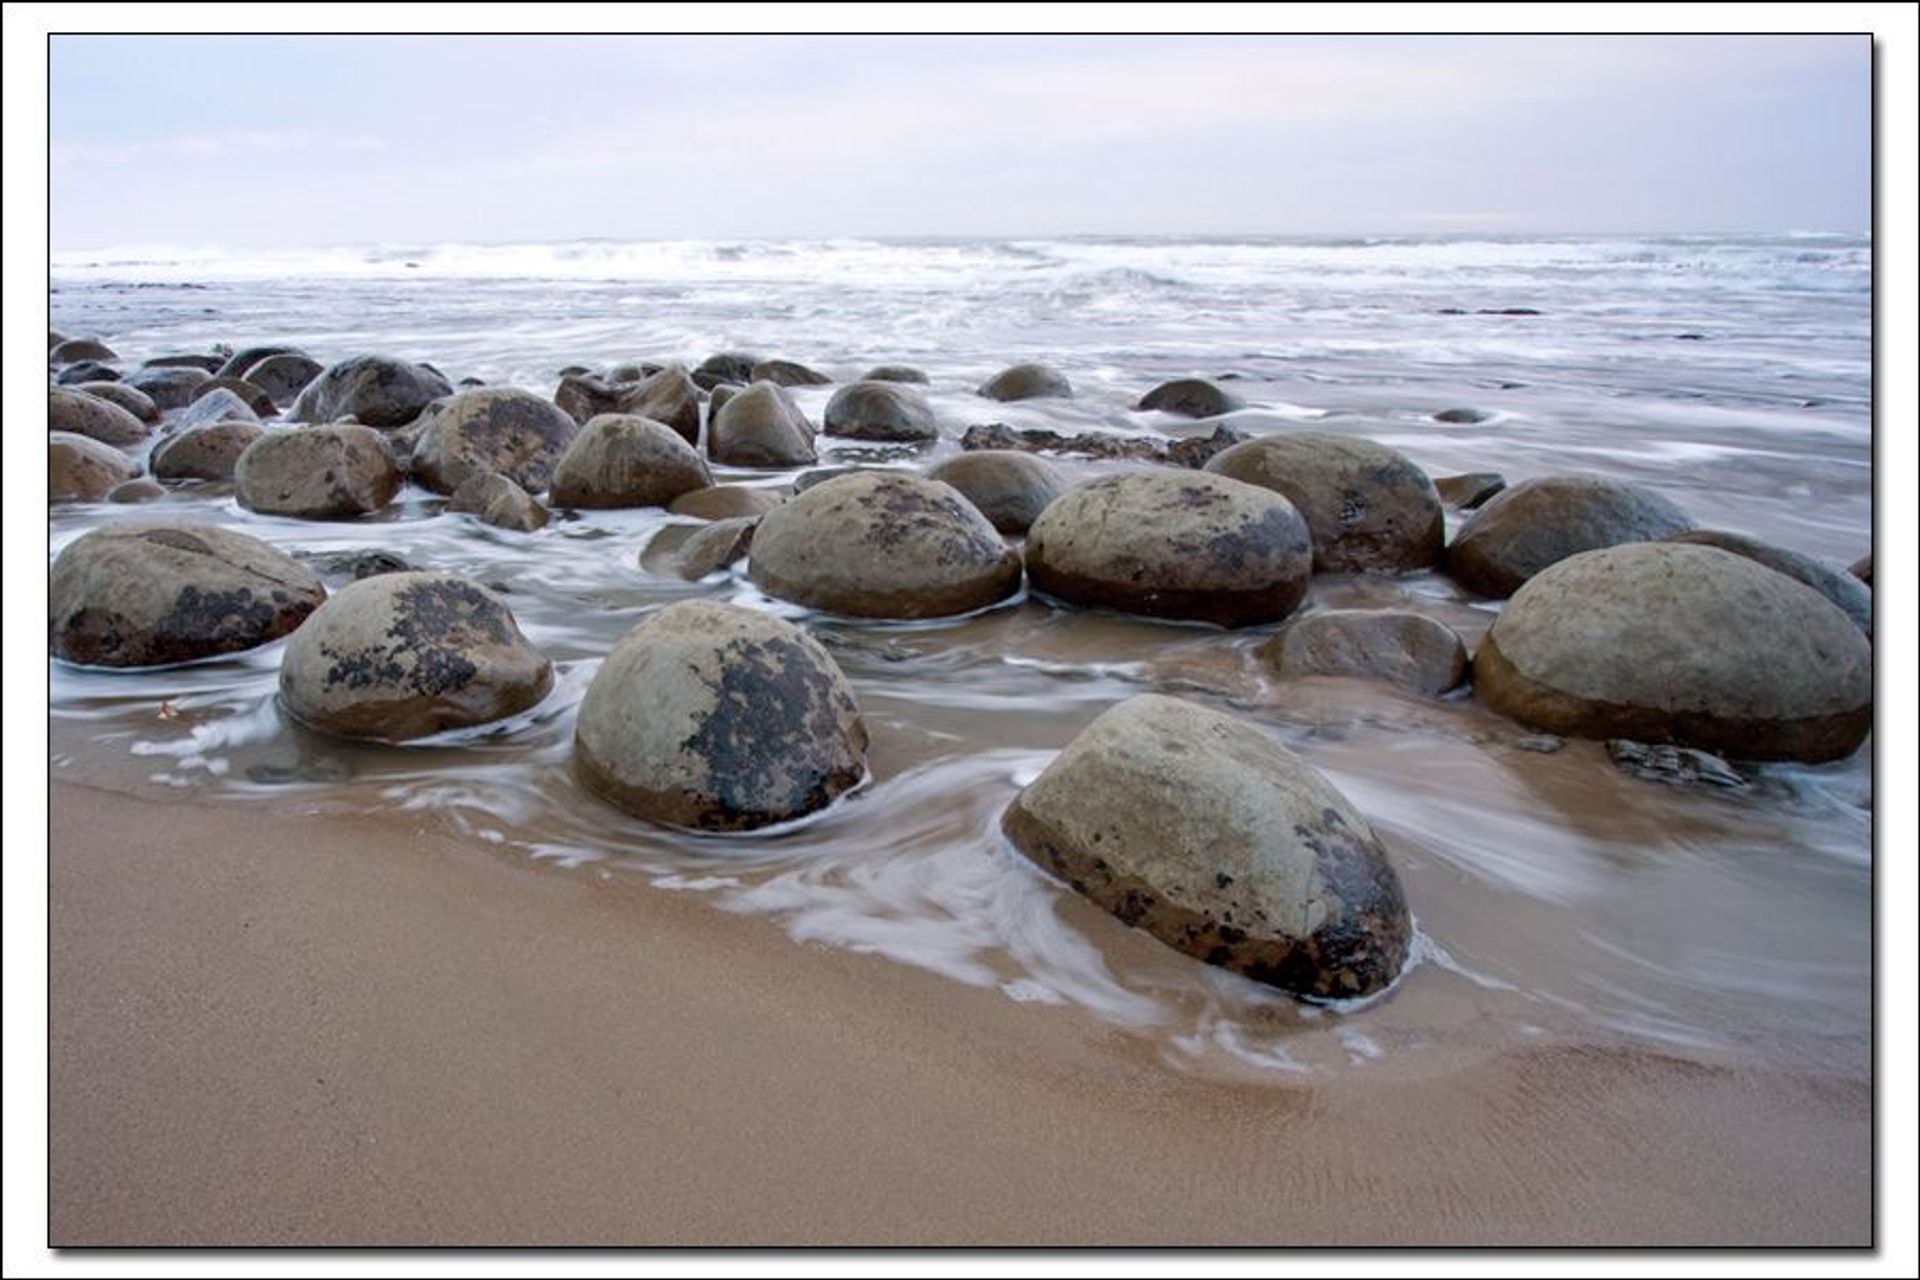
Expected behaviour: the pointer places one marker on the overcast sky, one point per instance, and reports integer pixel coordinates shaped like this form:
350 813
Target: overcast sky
248 141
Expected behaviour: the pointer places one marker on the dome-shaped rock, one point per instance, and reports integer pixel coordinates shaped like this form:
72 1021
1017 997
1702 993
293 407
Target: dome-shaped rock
208 452
81 469
498 501
333 472
169 388
500 429
1191 398
131 398
620 460
377 391
1010 488
1027 382
761 426
1371 510
1846 591
87 415
1522 530
1407 649
880 411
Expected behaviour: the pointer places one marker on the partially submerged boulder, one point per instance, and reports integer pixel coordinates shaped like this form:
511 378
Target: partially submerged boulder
1398 647
1027 382
169 388
1191 398
726 501
333 472
880 411
81 469
78 413
498 501
502 429
377 391
255 398
74 350
284 375
217 404
620 460
760 427
725 366
787 373
1522 530
894 373
1370 508
1848 594
209 452
1010 488
131 398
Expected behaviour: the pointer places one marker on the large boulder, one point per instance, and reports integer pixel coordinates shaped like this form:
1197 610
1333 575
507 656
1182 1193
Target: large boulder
880 411
883 544
1847 592
148 593
787 373
218 405
760 427
1027 382
498 501
1196 827
500 429
621 460
1665 642
1371 509
208 452
1526 528
377 391
404 655
81 414
725 366
284 375
332 472
1191 398
132 399
667 395
81 469
74 350
1407 649
1173 545
583 395
168 388
1010 488
719 718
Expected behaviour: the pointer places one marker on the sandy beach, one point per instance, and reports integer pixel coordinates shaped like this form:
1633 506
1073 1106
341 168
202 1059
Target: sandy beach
304 1030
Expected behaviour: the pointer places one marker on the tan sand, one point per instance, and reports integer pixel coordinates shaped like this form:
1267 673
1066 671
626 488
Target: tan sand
272 1029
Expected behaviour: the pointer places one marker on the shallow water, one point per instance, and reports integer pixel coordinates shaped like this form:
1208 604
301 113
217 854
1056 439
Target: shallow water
1555 895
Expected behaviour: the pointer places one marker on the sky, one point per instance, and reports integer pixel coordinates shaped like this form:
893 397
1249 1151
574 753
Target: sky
304 140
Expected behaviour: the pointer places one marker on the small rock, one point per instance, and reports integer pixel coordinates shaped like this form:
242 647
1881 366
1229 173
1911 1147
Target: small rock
1027 382
1461 415
1402 648
138 489
498 501
1190 398
893 373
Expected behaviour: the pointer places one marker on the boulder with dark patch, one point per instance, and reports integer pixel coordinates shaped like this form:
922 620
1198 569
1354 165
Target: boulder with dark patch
883 544
498 501
216 405
132 399
81 414
726 502
880 411
694 551
377 391
1522 530
1471 490
1847 592
1027 382
621 460
1666 642
582 396
149 593
167 388
666 395
1173 545
1370 508
725 366
500 429
81 469
74 350
788 374
1396 646
208 452
1010 488
284 376
241 362
1191 398
404 655
255 398
719 718
894 373
1198 828
333 472
761 426
87 371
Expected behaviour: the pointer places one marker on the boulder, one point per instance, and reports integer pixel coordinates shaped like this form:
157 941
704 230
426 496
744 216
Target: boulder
1692 645
377 391
284 376
725 502
725 366
138 489
498 501
1027 382
254 397
719 718
1848 594
633 371
208 363
761 426
149 593
167 388
1198 828
1191 398
1407 649
132 399
582 396
894 373
500 429
216 405
74 350
1471 490
332 472
1522 530
787 374
667 395
880 411
87 371
207 452
1011 489
241 362
81 414
820 475
1173 545
883 544
620 460
1371 509
81 469
1461 416
694 551
404 655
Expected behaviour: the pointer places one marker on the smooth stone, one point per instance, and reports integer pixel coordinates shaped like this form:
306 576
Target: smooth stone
87 371
1011 489
138 489
1692 645
255 397
241 362
620 460
150 593
403 655
880 411
377 391
1190 398
332 472
1846 592
719 718
1470 490
667 395
186 360
883 544
77 413
894 373
694 551
761 426
132 399
208 452
1453 416
1198 828
633 371
1538 523
284 375
1402 648
167 388
498 501
1370 508
788 374
726 502
215 404
1027 382
81 469
583 395
725 366
1188 545
74 350
500 429
718 397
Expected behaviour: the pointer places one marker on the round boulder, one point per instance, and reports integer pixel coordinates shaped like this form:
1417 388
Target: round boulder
1027 382
284 376
132 399
1407 649
667 395
621 460
74 350
81 469
1666 642
333 472
725 502
498 501
241 362
500 429
882 544
719 718
207 452
149 593
1010 488
213 403
168 388
1191 398
761 426
138 489
1847 592
725 366
1370 508
1173 545
87 371
255 398
1197 828
404 655
880 411
787 373
894 373
1526 528
81 414
377 391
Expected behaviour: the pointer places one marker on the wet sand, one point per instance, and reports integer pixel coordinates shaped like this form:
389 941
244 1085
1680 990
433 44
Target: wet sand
270 1028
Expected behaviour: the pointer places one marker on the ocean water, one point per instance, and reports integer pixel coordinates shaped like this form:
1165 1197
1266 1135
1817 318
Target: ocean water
1556 896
